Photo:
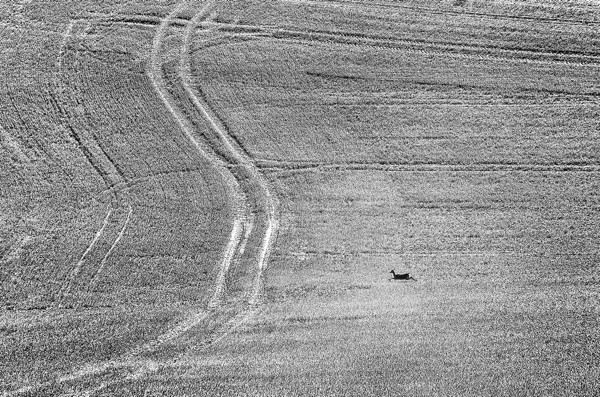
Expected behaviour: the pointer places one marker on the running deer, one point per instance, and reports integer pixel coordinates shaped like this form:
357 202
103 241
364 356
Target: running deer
405 276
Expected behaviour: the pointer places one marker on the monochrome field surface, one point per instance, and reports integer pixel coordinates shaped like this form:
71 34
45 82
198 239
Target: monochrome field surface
207 197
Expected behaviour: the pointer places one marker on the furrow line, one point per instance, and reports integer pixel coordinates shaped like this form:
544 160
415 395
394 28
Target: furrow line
417 46
67 119
290 166
459 13
121 186
144 20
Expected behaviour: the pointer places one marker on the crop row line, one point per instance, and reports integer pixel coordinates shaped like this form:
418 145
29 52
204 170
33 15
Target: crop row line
429 10
419 46
298 166
379 41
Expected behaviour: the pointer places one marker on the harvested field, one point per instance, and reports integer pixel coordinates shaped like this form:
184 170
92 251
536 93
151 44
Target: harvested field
206 198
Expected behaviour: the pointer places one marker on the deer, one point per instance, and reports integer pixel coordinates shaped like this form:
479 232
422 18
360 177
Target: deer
405 276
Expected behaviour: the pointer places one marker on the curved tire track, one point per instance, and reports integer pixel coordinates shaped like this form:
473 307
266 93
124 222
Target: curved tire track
239 199
242 228
243 223
66 119
240 157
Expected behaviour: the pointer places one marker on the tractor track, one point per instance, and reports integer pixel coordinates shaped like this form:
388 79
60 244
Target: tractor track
243 225
455 12
309 165
474 50
238 197
484 52
111 173
242 158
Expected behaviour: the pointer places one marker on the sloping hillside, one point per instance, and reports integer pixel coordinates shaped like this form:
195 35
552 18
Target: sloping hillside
207 197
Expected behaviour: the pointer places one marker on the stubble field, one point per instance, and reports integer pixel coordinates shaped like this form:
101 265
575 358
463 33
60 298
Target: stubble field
206 198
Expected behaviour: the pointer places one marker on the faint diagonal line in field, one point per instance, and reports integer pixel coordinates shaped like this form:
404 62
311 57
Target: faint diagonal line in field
77 268
94 279
125 185
12 146
137 369
63 44
173 333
